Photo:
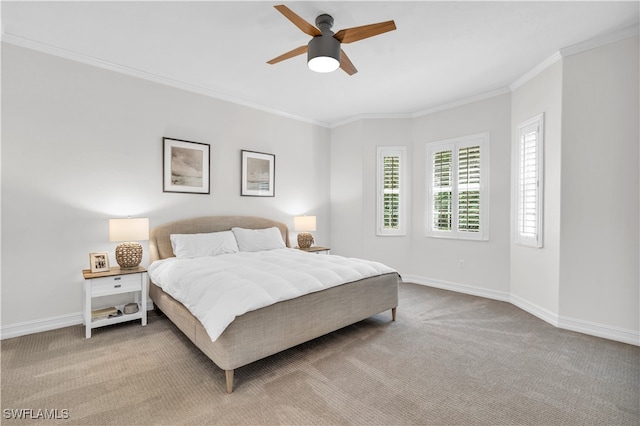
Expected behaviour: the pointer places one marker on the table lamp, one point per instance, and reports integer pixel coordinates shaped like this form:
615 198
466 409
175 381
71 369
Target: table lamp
303 225
125 231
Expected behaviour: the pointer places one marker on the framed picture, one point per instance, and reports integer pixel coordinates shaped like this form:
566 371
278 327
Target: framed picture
258 174
185 166
99 262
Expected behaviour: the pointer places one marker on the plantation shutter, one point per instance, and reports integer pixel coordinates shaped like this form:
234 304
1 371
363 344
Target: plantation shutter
469 189
528 184
442 190
529 199
390 197
391 192
458 188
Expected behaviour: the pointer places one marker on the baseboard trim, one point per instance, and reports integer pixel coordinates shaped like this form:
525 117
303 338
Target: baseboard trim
600 330
535 310
459 288
573 324
604 331
40 325
46 324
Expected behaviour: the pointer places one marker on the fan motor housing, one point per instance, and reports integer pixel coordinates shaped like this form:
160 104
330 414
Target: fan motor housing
323 46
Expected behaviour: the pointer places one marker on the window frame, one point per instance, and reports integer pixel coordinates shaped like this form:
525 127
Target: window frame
532 125
455 145
381 153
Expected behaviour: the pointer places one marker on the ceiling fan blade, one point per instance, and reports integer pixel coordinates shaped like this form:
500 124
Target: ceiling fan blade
346 64
349 35
290 54
306 27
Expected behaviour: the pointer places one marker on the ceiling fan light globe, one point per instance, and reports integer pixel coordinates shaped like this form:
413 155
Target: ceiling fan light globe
323 64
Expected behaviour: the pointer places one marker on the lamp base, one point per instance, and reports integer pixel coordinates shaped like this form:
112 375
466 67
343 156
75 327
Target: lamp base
129 255
305 240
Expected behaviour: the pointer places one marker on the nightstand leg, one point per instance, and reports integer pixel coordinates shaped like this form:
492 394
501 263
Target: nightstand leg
87 309
143 298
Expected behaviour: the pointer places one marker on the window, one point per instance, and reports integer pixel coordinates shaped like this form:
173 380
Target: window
529 138
391 188
457 188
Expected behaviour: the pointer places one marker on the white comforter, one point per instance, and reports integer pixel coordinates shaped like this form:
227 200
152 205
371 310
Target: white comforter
217 289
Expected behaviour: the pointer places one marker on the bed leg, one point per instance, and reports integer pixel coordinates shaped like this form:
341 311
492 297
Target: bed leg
393 314
229 377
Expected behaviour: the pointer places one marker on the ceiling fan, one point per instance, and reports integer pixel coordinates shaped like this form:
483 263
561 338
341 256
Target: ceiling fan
324 53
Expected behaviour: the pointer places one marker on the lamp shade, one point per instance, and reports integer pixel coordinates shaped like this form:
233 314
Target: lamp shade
128 229
304 223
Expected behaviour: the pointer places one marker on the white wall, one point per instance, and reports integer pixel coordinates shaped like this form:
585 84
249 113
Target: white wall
346 190
535 278
418 258
387 132
586 276
600 138
486 263
353 190
81 145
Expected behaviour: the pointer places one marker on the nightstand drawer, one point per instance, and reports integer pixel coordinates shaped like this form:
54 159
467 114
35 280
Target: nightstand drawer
116 284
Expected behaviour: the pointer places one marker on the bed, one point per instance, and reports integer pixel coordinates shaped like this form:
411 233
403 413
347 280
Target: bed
268 330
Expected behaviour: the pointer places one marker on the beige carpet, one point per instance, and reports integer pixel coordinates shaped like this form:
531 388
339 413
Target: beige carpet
449 359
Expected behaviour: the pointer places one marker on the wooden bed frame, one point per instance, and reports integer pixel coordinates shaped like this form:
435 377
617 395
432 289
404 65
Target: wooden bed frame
272 329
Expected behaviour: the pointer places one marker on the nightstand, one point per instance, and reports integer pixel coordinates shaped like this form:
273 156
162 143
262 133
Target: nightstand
316 249
114 281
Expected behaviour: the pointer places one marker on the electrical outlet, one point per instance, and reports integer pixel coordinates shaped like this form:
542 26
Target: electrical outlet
461 264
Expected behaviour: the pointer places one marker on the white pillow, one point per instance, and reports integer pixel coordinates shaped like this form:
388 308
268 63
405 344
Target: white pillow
199 245
258 239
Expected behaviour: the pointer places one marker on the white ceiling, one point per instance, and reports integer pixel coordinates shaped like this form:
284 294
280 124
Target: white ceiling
441 52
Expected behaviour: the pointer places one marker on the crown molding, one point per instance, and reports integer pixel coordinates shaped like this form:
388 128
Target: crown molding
593 43
575 49
628 32
133 72
535 71
438 108
461 102
360 117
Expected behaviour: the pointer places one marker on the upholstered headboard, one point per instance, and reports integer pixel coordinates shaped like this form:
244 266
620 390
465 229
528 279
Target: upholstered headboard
160 244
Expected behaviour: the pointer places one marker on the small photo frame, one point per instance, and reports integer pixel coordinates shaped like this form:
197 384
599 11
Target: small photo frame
258 174
99 262
185 166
